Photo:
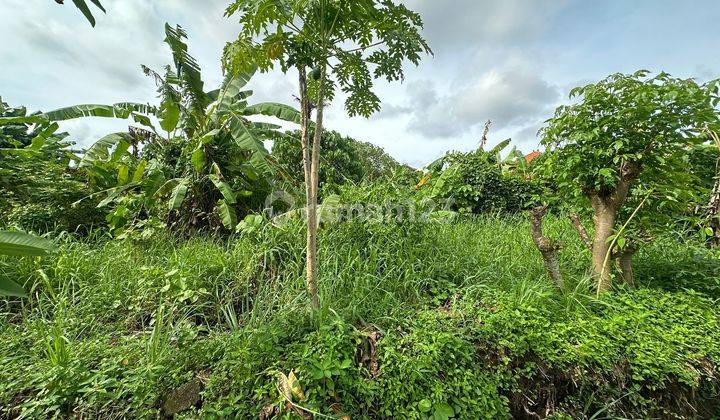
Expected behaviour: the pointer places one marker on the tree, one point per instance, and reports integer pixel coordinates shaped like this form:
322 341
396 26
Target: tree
622 147
712 210
216 159
345 160
37 182
347 44
477 182
376 162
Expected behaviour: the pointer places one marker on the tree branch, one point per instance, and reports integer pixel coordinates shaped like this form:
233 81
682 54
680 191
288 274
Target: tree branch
577 224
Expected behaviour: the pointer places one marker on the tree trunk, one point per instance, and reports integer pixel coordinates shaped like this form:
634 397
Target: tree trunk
311 205
713 214
305 127
605 216
713 209
606 209
548 248
625 264
312 198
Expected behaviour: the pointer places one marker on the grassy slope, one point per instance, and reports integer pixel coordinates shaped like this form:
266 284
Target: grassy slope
419 319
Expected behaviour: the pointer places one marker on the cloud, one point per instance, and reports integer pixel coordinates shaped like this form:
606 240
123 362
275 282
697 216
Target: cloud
508 97
467 24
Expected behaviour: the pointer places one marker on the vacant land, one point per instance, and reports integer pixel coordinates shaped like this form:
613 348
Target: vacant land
417 319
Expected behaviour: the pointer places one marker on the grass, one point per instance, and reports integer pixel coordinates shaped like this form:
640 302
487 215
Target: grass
460 318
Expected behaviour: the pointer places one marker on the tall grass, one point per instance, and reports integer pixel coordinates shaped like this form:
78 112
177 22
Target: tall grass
99 305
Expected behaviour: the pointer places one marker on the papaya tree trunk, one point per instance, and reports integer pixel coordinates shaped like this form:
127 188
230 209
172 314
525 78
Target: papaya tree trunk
312 216
305 127
311 204
625 263
548 247
713 214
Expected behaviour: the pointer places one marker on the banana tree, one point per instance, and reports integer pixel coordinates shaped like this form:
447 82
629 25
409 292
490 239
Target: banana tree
223 162
20 245
205 160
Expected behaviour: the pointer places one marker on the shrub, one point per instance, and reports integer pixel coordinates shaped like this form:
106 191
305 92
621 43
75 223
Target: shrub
478 185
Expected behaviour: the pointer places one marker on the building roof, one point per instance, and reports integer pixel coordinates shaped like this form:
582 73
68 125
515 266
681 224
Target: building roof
532 156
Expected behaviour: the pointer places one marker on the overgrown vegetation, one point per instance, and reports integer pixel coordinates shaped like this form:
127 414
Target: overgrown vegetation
113 327
165 286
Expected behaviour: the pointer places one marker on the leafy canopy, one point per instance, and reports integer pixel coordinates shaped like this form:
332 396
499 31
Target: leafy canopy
360 40
623 123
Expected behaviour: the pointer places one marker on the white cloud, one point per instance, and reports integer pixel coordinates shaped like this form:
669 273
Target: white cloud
508 97
468 24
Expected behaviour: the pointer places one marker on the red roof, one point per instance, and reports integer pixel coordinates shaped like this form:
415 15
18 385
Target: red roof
532 156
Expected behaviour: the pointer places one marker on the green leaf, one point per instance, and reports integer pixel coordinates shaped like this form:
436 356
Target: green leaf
39 141
22 244
227 214
24 119
98 4
114 193
231 90
209 136
246 140
100 150
168 187
187 67
10 288
621 242
178 195
120 150
424 405
169 115
123 174
500 147
139 171
143 120
443 411
80 4
225 189
198 158
120 110
280 111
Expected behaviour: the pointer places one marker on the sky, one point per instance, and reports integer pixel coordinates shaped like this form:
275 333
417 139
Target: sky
508 61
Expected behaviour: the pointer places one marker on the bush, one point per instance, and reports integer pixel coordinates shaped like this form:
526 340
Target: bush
478 185
343 161
40 195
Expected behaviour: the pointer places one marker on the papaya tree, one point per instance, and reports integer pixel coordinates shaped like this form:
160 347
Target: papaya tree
619 153
346 45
